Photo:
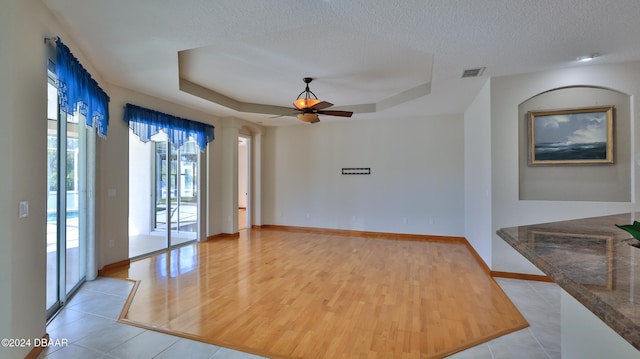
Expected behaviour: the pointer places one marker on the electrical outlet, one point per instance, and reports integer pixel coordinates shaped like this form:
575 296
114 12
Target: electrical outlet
23 209
112 243
405 220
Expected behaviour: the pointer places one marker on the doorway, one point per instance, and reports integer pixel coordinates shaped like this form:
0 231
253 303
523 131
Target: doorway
244 161
163 194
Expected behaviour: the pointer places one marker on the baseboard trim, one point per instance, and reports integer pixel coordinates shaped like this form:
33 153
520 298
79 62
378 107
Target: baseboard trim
114 266
498 274
33 354
224 236
356 233
534 277
127 304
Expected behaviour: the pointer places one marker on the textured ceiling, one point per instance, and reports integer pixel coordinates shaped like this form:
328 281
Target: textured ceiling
401 58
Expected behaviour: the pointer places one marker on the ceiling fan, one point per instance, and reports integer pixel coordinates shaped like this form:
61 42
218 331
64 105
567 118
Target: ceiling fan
310 107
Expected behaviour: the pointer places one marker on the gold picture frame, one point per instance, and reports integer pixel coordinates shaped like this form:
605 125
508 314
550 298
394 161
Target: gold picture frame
582 136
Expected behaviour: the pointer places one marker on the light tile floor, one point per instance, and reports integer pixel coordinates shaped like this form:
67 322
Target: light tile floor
89 324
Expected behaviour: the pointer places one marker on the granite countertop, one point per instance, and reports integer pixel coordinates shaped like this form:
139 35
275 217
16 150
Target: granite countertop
591 259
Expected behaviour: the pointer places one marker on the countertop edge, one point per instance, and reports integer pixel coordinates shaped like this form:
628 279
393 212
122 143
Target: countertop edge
605 312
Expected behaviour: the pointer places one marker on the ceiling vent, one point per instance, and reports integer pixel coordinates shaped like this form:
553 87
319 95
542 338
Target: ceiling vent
477 72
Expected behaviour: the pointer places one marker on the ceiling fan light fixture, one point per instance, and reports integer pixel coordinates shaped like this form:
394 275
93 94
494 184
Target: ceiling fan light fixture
308 117
304 100
310 107
304 103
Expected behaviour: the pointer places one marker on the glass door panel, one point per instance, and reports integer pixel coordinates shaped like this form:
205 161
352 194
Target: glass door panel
173 209
163 186
52 200
166 178
66 203
184 219
75 168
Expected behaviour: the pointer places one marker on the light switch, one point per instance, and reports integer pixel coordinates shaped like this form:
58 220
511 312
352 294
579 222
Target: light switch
23 211
111 192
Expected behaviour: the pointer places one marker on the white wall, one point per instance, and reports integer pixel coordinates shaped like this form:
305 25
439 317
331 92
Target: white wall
585 336
229 176
477 174
415 186
7 202
507 210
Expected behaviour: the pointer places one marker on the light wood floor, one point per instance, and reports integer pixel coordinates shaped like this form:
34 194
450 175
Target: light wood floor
299 295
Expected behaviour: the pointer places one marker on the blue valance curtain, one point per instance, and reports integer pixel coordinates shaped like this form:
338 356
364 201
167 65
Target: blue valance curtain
79 92
145 123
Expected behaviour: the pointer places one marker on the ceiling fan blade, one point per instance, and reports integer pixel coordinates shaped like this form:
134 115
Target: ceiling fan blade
287 115
293 114
336 113
321 105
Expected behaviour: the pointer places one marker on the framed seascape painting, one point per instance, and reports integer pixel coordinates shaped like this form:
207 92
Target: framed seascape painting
575 136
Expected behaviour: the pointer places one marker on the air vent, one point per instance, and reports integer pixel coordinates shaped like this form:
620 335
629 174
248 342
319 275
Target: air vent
473 72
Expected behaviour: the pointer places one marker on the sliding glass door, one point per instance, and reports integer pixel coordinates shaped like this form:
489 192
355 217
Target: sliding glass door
66 203
163 194
52 201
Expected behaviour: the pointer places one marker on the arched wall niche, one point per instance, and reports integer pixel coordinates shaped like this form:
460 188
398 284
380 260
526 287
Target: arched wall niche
606 183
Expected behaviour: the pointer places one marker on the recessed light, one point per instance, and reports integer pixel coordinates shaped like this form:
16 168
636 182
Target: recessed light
586 58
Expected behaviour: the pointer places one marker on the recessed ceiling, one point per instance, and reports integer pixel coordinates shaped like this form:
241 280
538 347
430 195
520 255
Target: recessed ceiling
403 57
364 76
351 73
